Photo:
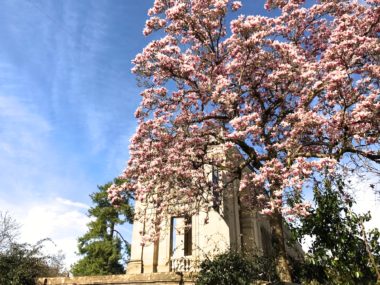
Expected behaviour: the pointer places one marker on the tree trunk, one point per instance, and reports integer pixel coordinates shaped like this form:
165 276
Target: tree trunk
369 252
112 229
282 262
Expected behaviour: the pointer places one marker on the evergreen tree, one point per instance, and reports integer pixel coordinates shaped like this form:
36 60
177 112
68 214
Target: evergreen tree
102 246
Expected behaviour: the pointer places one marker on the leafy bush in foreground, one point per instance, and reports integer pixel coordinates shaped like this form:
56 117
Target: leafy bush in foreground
235 268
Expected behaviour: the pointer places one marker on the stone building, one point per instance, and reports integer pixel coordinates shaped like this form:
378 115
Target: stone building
186 241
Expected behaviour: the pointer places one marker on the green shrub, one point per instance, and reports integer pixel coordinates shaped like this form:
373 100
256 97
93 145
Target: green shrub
235 268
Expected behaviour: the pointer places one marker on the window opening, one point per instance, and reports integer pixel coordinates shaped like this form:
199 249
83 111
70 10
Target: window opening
181 236
188 239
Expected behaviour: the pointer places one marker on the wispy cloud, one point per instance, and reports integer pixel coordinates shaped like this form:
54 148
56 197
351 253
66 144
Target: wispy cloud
63 123
365 190
70 203
58 219
24 138
31 176
22 132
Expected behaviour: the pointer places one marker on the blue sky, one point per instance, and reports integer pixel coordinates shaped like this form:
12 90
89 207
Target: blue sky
67 99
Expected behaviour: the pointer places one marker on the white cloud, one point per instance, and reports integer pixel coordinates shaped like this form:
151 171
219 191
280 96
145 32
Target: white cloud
33 186
59 219
22 131
96 123
59 101
367 197
72 203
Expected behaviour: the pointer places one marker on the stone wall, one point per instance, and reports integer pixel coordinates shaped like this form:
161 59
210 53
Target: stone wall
170 278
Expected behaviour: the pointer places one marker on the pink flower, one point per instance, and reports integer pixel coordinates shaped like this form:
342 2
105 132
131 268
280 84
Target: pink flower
267 212
236 5
275 103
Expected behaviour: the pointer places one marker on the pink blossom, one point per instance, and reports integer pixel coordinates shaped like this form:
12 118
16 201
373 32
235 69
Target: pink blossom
284 99
236 5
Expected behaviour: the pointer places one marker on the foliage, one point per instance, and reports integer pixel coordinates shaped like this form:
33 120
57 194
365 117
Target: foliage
338 253
102 245
8 230
284 96
235 268
22 263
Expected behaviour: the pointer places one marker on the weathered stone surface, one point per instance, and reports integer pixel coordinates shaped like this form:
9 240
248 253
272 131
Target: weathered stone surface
169 278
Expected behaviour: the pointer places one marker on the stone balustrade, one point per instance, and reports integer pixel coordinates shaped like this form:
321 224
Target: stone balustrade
182 264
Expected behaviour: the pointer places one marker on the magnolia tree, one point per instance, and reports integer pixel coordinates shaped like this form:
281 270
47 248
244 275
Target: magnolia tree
286 97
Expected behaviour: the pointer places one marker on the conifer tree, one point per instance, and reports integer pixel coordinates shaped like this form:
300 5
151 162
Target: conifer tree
102 246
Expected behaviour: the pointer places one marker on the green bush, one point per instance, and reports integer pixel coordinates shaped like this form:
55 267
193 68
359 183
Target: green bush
235 268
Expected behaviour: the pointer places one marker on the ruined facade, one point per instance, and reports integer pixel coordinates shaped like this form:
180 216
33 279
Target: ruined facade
186 241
